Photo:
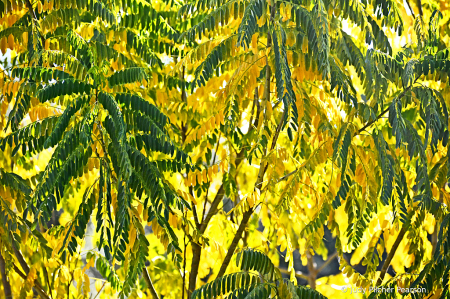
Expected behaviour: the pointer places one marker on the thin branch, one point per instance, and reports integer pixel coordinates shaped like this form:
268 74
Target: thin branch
372 121
98 293
184 267
327 262
194 210
368 124
255 100
212 209
419 5
234 243
312 270
25 266
149 283
410 9
36 286
212 163
388 260
48 281
262 168
298 274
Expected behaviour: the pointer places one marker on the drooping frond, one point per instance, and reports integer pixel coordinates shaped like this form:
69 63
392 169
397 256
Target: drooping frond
253 260
63 121
387 169
62 88
285 91
248 26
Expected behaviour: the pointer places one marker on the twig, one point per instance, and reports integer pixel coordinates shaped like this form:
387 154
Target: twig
213 162
327 262
48 281
298 274
410 9
384 111
419 4
149 283
98 293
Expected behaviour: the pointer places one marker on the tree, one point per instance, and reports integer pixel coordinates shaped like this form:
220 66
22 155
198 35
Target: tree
228 125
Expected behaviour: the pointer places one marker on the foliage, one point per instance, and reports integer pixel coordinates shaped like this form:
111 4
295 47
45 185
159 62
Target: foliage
173 134
265 283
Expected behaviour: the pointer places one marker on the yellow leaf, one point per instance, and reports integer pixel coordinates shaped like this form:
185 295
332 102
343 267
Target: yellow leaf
77 275
255 43
11 42
86 284
251 200
92 262
199 178
217 118
210 173
132 236
192 199
64 274
98 285
140 208
205 178
3 45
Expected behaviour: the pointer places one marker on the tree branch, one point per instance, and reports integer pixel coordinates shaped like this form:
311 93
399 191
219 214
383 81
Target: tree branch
410 9
368 124
36 286
194 210
26 268
327 262
298 274
212 209
262 167
388 260
196 255
235 242
5 281
149 283
372 121
419 5
312 270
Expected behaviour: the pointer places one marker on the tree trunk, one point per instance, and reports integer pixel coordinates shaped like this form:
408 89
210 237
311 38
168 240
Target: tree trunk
312 271
196 254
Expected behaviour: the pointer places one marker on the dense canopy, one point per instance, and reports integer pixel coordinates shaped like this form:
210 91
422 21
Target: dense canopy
224 149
